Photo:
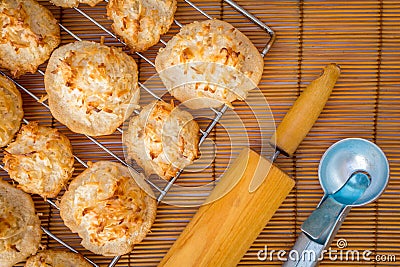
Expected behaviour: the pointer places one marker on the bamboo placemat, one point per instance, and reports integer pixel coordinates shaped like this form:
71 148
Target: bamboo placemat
363 37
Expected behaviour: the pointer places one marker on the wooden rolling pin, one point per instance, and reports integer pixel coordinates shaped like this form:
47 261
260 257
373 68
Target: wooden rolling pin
223 230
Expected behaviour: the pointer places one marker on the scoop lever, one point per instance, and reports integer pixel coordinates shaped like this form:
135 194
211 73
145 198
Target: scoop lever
323 220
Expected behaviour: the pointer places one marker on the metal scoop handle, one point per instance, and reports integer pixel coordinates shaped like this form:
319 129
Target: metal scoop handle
322 225
307 251
323 220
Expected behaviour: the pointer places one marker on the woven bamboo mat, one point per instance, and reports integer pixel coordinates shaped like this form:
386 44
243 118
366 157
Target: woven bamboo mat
363 37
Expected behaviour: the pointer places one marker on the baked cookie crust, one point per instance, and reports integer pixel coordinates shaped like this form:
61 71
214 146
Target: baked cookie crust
140 23
91 87
29 33
11 112
19 226
40 160
209 63
162 139
108 209
57 258
74 3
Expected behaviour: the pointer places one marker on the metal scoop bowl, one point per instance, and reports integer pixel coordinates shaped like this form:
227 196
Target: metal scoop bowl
352 172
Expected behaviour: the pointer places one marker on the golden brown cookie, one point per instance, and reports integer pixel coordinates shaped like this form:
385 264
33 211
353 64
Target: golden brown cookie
162 139
91 87
74 3
57 258
141 22
20 231
108 209
11 112
208 64
29 33
40 160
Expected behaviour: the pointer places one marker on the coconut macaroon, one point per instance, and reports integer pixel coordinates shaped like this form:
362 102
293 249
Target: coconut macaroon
74 3
40 160
141 22
29 33
208 64
20 231
91 87
162 139
108 209
57 258
11 112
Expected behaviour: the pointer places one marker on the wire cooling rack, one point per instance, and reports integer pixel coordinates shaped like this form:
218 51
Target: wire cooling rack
218 113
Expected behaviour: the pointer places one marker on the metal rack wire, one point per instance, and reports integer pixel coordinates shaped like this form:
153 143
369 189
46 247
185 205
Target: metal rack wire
204 133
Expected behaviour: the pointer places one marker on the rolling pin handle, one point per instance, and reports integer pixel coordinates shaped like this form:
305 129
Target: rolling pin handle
305 111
